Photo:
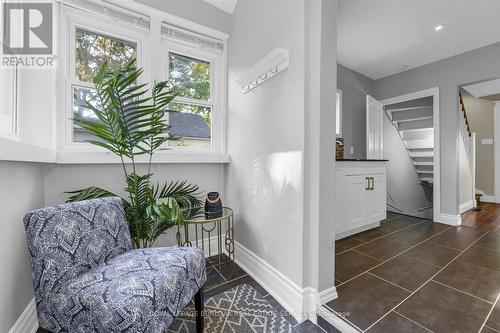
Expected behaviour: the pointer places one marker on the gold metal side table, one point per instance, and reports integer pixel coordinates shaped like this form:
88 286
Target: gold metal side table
211 233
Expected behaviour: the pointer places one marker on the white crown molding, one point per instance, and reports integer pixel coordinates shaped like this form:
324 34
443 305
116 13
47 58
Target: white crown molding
28 321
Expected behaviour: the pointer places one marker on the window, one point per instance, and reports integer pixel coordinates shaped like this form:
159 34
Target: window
8 101
92 49
338 114
192 122
191 80
192 63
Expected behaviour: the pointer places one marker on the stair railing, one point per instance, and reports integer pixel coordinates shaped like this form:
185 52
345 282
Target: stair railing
464 127
469 139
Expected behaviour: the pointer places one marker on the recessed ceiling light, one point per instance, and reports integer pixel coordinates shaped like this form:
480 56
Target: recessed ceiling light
438 27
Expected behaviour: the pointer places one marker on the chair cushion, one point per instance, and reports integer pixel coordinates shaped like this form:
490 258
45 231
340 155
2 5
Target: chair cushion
137 291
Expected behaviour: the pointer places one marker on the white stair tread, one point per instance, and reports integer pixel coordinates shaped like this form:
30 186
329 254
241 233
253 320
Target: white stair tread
427 179
419 144
422 154
423 163
425 171
411 119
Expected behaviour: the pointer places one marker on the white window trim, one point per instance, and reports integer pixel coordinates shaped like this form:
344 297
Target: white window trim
79 19
19 148
215 58
339 95
149 45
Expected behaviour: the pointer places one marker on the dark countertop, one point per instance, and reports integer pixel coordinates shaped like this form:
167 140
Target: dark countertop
360 160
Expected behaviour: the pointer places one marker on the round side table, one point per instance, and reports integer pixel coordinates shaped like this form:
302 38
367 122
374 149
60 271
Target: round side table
210 233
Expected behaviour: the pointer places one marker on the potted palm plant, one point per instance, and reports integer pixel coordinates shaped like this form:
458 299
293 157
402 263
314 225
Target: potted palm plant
131 123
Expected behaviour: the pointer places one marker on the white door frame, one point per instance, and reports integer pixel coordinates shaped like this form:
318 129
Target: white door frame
496 154
436 188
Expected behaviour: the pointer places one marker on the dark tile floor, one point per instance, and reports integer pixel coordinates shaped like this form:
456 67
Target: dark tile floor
414 275
221 278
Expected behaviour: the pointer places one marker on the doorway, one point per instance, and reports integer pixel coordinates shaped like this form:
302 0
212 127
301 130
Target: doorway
411 140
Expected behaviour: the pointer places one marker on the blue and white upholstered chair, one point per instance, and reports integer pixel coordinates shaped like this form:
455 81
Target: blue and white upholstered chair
87 277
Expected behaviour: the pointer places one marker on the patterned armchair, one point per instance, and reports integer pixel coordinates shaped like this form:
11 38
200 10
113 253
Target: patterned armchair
87 277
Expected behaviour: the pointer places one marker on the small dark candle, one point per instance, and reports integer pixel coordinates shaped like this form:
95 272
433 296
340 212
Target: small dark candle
213 206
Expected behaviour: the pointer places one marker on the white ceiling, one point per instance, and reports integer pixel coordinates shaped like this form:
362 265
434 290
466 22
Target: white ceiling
379 38
226 5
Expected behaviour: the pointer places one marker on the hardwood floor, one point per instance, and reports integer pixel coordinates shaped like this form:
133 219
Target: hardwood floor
486 219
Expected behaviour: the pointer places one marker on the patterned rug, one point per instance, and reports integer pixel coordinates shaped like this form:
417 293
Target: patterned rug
238 310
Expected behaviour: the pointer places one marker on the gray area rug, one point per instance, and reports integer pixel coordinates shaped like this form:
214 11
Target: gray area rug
238 310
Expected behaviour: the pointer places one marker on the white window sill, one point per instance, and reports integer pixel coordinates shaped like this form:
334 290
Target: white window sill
174 157
14 150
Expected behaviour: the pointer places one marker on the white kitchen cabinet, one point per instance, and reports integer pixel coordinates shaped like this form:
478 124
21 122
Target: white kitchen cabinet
360 196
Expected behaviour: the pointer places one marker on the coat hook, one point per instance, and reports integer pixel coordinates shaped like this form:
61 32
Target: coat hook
274 70
263 77
254 83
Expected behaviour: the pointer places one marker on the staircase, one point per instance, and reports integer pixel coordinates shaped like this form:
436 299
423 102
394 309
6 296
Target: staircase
414 122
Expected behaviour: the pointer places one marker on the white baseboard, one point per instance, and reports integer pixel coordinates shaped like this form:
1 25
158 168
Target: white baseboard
466 206
328 295
488 198
285 291
454 220
336 321
28 321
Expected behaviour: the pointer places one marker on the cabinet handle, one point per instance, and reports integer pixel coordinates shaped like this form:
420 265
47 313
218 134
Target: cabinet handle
373 183
367 183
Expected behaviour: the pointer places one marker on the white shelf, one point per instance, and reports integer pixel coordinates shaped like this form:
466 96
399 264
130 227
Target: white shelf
270 66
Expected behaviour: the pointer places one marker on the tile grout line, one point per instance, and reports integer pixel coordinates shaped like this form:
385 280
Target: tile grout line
494 330
463 292
485 248
391 233
394 284
413 321
445 246
367 255
489 314
383 262
421 260
430 279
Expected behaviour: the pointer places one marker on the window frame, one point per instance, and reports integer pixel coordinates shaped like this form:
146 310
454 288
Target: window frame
15 103
99 25
340 109
216 59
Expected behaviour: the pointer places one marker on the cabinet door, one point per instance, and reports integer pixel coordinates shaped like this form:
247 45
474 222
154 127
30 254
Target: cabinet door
376 199
356 201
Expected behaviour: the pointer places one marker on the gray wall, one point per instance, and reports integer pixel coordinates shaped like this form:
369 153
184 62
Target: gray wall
61 178
403 186
197 11
266 134
448 75
354 88
22 190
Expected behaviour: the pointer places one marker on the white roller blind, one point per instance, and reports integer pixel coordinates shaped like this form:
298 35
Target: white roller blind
111 11
191 37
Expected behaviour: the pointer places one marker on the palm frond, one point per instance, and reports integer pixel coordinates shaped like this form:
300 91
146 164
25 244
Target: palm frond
187 196
92 192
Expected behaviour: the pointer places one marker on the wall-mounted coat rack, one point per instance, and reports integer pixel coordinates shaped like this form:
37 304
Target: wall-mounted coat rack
268 67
